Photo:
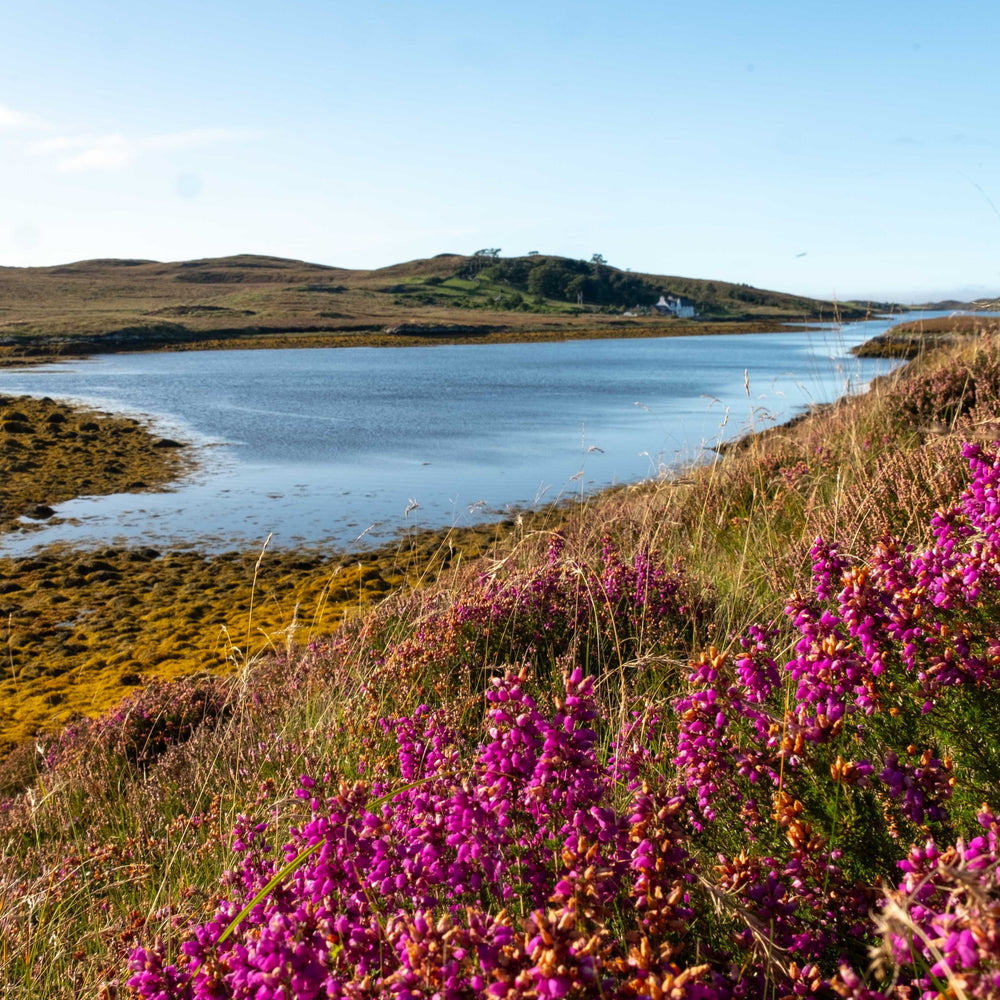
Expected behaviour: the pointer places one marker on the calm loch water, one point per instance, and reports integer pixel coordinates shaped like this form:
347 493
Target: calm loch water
320 447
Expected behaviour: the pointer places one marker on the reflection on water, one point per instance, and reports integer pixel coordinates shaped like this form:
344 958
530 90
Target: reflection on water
321 446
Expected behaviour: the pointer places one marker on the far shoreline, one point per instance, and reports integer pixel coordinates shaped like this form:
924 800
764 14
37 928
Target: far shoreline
29 351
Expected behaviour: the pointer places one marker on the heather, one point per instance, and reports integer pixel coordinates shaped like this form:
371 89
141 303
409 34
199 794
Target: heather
727 736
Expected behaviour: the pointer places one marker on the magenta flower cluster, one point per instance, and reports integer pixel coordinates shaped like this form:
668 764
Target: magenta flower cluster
944 921
713 845
533 870
491 877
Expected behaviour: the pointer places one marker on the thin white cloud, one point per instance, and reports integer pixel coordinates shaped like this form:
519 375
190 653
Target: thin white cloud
9 118
85 152
70 153
99 157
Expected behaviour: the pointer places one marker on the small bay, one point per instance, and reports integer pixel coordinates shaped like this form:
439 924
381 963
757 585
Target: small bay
322 447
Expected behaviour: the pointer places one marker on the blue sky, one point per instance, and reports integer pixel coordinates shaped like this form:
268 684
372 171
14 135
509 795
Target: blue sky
838 149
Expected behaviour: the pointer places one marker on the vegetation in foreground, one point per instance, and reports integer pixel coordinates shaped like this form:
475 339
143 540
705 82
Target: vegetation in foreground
254 301
676 748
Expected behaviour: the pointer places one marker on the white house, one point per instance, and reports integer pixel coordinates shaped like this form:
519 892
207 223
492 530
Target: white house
671 305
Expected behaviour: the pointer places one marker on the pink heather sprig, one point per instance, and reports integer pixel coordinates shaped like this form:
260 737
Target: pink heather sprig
544 772
827 568
425 746
922 787
722 729
942 925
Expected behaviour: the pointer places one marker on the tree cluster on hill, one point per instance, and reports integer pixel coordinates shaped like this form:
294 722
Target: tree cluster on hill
569 280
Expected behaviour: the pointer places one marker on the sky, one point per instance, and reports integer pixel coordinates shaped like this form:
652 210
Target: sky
844 149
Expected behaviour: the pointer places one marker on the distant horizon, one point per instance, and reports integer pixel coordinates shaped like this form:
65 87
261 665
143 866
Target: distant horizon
834 151
963 294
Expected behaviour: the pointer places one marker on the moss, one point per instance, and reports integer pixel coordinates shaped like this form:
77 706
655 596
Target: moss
73 452
88 624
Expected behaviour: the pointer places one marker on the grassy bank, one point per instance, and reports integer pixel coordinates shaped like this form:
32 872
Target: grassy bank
603 761
910 340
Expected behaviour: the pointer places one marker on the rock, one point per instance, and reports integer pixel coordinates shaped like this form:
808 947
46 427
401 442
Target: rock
167 443
142 555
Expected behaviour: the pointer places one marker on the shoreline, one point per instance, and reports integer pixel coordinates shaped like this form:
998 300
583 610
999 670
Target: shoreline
85 624
907 341
385 533
28 351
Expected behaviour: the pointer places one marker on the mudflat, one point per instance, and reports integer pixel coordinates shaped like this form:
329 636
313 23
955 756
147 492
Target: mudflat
82 627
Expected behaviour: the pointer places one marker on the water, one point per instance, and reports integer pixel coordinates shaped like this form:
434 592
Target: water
320 446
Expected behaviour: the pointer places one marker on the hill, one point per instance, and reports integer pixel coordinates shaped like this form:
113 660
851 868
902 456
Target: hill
107 305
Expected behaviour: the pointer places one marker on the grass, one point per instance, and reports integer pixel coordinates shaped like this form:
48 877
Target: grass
119 831
910 340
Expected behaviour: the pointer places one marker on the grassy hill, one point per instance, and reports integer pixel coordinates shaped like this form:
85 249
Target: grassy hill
106 305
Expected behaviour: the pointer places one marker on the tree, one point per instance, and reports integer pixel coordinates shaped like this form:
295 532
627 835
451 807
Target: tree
480 259
579 288
548 280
